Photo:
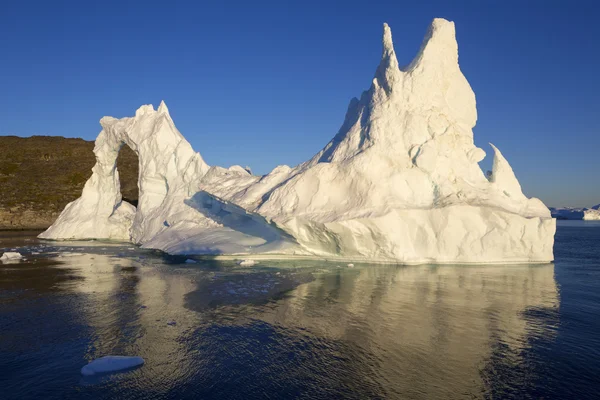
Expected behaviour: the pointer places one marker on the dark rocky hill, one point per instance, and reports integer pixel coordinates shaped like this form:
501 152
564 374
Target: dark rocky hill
39 175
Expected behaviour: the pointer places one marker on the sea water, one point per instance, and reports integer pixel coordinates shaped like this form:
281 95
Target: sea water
298 329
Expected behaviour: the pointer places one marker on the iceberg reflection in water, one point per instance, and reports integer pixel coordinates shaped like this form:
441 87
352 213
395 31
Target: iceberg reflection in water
286 329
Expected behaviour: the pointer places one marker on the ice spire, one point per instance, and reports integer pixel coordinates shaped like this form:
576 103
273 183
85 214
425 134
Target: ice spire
388 71
162 108
504 177
439 45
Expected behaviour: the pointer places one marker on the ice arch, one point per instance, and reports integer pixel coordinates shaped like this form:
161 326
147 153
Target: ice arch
399 182
163 154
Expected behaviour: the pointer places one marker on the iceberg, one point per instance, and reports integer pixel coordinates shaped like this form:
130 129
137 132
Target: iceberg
399 182
566 212
588 214
592 214
109 364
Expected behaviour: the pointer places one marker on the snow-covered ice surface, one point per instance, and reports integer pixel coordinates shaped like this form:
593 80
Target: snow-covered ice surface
399 182
109 364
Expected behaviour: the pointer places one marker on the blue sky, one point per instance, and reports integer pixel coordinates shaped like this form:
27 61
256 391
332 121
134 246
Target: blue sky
268 83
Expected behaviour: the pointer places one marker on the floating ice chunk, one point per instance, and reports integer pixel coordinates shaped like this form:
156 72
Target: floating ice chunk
247 263
190 261
11 255
350 265
108 364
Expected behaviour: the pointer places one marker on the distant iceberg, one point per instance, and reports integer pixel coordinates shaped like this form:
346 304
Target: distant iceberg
592 214
400 182
589 214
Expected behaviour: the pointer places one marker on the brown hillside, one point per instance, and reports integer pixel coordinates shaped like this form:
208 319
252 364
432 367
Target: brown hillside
39 175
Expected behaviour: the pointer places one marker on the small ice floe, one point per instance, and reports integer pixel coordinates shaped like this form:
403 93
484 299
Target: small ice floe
11 256
247 263
190 261
350 265
108 364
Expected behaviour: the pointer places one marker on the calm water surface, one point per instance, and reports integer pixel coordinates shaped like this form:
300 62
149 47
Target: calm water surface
298 329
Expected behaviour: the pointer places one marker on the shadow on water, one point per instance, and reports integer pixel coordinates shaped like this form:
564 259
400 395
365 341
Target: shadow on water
291 329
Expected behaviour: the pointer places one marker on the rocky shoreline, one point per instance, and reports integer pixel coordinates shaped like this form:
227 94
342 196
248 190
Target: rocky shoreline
17 218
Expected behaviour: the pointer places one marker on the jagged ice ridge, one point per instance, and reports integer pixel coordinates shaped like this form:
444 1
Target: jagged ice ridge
399 182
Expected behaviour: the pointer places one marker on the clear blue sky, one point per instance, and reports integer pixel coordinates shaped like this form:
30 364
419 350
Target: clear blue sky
262 84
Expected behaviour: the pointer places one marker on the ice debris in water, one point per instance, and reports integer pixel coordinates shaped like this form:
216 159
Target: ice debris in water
247 263
108 364
400 181
350 265
190 261
11 256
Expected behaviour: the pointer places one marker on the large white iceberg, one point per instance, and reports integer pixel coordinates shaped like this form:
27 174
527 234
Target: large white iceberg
399 182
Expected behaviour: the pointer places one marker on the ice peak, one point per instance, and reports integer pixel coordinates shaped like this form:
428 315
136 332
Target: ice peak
388 71
439 45
442 23
162 108
388 44
503 175
145 109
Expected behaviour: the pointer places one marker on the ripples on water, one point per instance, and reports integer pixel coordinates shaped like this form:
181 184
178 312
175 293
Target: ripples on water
298 329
